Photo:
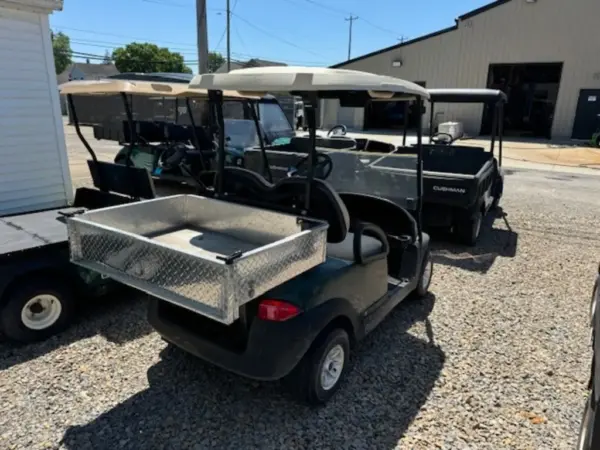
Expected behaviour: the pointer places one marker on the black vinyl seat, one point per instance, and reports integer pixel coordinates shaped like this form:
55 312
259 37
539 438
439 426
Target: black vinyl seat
370 247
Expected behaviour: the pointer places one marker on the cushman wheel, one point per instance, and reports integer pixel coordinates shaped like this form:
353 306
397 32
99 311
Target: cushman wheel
36 309
426 275
319 375
467 229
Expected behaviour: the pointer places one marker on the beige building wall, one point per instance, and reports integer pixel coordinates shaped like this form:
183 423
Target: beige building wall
519 31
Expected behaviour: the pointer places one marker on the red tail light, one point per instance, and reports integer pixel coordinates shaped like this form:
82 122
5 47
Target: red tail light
277 310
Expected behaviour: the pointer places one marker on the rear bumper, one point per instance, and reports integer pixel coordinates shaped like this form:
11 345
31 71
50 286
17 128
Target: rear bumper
271 352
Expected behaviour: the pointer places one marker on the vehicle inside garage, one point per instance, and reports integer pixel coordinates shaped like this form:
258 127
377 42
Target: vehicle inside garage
532 91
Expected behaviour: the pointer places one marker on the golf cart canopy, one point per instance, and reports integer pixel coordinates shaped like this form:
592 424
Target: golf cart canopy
111 87
327 83
467 96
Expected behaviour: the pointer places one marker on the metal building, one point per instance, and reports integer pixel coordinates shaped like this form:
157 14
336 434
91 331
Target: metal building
545 54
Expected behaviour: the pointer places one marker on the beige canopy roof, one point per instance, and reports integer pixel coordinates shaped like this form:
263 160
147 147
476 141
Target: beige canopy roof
157 89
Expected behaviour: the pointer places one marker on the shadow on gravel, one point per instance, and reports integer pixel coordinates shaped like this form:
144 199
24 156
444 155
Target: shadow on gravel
493 243
190 404
119 317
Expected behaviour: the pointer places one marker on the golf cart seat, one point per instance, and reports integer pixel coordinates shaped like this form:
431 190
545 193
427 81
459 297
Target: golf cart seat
325 203
362 251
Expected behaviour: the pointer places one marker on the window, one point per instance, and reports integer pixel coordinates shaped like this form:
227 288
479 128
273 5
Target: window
274 121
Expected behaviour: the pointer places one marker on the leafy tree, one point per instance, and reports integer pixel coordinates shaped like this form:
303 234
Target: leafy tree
146 57
215 60
107 58
61 47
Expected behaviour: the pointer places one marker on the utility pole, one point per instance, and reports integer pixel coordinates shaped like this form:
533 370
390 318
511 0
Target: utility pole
228 37
350 19
202 34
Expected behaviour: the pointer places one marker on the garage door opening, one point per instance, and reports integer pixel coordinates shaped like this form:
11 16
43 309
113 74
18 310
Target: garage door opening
532 91
380 115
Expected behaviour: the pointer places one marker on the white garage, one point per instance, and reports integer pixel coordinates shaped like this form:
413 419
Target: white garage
34 171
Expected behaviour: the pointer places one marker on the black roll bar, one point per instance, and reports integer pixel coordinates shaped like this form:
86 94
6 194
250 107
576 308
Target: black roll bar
420 167
310 107
82 138
194 133
216 98
500 133
263 153
132 130
432 106
406 112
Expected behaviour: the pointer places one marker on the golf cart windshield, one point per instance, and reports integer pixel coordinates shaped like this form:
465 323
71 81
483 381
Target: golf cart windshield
392 175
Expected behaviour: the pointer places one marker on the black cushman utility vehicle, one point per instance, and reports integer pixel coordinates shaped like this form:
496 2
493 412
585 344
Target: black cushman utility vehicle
272 280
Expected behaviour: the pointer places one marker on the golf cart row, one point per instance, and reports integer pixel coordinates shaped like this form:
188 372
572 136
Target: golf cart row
267 279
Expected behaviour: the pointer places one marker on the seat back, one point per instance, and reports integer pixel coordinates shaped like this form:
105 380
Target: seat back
289 195
131 181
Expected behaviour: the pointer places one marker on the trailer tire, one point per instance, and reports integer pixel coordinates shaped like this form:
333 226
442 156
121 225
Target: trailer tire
467 229
319 374
36 309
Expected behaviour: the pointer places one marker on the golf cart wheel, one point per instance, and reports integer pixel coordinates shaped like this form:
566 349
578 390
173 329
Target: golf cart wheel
320 373
499 189
425 276
36 309
467 229
588 439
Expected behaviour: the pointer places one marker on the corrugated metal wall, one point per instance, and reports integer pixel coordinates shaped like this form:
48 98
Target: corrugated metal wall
517 32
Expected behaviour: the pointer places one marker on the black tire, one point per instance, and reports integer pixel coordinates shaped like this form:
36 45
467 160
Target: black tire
305 379
422 288
14 304
588 431
467 229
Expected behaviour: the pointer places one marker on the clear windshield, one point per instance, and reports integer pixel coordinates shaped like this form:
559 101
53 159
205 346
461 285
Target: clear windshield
391 175
274 121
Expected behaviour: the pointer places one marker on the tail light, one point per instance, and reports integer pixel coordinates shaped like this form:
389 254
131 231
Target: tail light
277 310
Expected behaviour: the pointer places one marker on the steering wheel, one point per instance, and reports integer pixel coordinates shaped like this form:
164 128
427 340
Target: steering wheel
171 157
437 139
324 163
338 130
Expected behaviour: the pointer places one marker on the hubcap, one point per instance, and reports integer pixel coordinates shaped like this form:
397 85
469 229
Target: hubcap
332 367
41 312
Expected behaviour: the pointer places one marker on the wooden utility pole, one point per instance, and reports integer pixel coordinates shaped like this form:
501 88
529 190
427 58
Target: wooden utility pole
350 19
202 34
228 37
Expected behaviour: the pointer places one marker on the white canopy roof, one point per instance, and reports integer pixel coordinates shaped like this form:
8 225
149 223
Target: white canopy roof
260 80
111 87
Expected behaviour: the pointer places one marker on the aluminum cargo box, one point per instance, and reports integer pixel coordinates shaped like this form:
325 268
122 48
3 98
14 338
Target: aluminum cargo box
207 255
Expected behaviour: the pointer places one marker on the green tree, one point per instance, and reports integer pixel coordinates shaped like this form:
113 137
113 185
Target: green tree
61 47
215 60
146 57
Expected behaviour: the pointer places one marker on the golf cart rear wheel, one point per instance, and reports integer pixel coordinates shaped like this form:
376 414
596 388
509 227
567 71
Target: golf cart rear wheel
425 276
319 374
467 229
36 309
587 439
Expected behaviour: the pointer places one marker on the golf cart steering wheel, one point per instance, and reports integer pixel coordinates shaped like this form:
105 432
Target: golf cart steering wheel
436 139
324 164
338 130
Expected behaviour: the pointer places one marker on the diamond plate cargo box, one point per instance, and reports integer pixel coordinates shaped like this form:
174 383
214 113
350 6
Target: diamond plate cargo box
206 255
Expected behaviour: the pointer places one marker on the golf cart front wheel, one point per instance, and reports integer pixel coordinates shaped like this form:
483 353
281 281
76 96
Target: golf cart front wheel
36 309
467 229
425 276
320 373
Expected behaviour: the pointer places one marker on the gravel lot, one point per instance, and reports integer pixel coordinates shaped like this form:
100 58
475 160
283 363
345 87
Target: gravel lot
497 357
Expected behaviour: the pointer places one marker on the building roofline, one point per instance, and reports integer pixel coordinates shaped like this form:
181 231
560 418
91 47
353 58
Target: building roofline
465 16
393 47
483 9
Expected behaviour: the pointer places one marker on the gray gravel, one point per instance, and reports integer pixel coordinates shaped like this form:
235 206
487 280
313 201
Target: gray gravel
497 357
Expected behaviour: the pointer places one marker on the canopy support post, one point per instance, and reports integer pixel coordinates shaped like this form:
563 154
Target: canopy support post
132 131
406 111
420 166
310 101
494 128
432 106
263 154
500 133
216 98
82 138
188 106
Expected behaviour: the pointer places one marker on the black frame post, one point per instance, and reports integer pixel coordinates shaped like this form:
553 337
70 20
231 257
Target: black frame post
216 98
132 131
431 128
494 127
420 167
82 138
500 133
263 154
188 106
310 107
406 112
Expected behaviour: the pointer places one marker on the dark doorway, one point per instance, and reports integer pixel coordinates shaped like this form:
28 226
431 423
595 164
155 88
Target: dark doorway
381 115
587 117
532 90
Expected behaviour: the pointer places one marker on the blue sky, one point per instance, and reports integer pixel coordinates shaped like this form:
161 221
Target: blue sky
302 32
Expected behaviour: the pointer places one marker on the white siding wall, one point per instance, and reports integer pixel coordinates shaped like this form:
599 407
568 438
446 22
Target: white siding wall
34 171
516 32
